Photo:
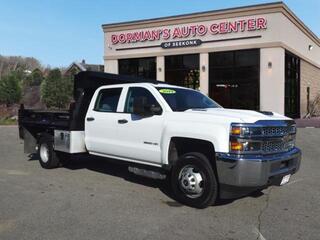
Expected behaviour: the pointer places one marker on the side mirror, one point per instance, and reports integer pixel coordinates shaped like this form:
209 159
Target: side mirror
156 110
141 107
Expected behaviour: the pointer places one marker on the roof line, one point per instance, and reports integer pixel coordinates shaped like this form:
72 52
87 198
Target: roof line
191 14
265 6
293 15
75 63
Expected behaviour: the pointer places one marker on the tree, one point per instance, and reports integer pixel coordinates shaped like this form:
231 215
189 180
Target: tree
314 109
33 79
13 63
10 89
56 90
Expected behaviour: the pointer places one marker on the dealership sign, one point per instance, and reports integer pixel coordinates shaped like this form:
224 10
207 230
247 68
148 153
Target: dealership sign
184 43
189 31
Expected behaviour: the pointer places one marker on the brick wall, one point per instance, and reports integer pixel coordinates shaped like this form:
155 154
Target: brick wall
310 77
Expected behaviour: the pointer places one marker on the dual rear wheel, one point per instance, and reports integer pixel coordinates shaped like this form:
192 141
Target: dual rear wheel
49 158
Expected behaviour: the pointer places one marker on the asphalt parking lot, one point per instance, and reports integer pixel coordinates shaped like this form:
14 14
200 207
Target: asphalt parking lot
95 199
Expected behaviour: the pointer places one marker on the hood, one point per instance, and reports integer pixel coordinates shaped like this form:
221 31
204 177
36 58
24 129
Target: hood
246 116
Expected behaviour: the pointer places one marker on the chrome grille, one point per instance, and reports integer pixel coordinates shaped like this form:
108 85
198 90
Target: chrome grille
277 146
275 131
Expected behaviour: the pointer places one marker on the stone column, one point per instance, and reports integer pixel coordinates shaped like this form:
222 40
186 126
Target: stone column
111 66
160 68
204 73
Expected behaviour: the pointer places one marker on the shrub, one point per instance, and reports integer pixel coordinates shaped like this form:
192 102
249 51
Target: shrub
56 90
10 89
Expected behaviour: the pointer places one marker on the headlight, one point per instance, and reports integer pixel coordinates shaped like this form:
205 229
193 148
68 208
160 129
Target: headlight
261 138
245 131
293 129
237 146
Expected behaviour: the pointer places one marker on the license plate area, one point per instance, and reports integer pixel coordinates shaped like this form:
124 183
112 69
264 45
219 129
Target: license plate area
285 179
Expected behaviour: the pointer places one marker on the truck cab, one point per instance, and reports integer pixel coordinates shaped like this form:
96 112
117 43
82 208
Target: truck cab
170 132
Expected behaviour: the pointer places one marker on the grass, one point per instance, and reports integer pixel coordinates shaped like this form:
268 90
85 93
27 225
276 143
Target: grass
8 121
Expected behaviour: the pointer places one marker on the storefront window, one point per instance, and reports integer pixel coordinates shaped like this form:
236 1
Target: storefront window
140 67
234 78
182 70
292 85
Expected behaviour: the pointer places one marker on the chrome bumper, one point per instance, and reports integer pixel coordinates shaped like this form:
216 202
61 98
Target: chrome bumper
255 170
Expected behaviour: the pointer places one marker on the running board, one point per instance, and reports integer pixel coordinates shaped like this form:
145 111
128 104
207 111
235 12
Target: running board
147 173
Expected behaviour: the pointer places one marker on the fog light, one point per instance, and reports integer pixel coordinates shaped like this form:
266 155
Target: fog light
236 146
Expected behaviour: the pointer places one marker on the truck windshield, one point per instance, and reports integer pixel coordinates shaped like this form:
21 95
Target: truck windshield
180 99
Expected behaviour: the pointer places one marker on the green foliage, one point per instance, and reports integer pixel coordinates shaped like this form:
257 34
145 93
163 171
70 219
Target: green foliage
7 121
192 79
34 79
56 90
10 89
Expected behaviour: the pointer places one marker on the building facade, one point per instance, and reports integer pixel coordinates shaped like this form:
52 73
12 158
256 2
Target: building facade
259 57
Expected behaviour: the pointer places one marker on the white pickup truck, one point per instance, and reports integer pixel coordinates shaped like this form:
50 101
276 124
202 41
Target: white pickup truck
164 131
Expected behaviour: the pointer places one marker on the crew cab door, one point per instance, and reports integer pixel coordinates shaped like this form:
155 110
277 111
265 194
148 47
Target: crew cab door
101 122
140 136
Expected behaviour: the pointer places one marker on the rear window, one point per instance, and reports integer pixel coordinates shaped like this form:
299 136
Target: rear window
108 100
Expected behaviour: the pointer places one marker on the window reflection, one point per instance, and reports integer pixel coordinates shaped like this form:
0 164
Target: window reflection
140 67
234 78
183 70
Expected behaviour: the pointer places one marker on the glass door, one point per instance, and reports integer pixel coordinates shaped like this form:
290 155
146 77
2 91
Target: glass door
234 78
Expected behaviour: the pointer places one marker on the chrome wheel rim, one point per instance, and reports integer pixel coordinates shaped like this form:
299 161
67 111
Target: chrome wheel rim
44 153
191 181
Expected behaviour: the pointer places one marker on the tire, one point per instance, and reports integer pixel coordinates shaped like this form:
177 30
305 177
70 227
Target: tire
193 181
48 158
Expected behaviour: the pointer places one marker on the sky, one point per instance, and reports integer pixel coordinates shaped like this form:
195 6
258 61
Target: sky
58 32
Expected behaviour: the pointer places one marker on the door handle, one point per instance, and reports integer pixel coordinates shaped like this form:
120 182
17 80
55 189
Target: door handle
89 119
122 121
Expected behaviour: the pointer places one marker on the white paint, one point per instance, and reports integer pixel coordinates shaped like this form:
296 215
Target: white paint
101 134
106 137
260 236
272 80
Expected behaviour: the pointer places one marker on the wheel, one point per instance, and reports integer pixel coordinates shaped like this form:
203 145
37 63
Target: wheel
193 181
48 157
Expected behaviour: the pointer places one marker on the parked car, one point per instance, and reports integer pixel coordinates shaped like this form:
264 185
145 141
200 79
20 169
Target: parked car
164 131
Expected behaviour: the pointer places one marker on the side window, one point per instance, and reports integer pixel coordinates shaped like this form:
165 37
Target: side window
107 100
135 92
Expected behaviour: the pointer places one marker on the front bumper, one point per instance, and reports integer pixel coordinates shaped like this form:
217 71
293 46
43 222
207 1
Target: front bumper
254 171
